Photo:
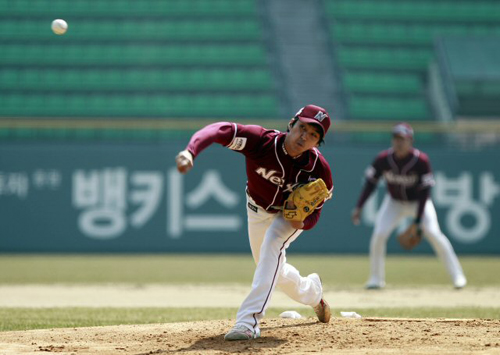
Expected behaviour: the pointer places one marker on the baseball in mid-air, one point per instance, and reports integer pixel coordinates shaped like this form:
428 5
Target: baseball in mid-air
59 27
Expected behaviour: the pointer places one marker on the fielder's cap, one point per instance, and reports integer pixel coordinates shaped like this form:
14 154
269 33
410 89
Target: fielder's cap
316 115
403 129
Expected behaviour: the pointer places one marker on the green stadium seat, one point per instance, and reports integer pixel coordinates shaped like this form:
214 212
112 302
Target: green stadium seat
403 33
362 82
129 58
150 8
384 58
127 30
139 105
384 47
382 108
133 54
425 10
133 79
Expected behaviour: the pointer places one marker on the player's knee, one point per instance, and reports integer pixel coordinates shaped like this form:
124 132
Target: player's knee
380 236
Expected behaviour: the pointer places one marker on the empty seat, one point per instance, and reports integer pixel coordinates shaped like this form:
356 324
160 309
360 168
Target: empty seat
151 8
129 58
135 80
363 82
134 29
385 58
381 108
131 54
403 33
452 11
138 105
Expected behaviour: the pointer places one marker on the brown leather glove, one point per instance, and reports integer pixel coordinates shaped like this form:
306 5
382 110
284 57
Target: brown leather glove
411 237
304 200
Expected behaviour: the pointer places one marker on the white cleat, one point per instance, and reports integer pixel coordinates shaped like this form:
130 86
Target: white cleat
460 282
322 309
240 332
374 285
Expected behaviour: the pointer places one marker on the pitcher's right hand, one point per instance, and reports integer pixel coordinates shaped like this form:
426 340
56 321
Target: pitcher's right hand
184 161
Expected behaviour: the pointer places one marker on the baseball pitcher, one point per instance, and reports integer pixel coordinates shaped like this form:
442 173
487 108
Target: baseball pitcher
409 178
288 182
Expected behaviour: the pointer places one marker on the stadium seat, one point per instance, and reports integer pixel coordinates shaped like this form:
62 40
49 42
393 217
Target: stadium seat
151 8
362 82
132 54
127 30
384 58
138 105
383 49
403 33
123 58
382 108
136 80
425 10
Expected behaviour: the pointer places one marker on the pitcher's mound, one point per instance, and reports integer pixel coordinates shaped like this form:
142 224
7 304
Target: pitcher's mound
279 336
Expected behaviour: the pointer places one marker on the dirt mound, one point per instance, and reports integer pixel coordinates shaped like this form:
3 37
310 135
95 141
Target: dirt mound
279 336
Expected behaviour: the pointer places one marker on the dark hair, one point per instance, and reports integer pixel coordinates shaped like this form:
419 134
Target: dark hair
320 131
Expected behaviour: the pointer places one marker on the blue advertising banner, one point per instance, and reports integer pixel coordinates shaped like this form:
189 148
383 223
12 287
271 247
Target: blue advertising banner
129 198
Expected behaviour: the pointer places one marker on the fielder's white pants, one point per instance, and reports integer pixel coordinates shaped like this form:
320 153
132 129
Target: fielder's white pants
270 234
390 215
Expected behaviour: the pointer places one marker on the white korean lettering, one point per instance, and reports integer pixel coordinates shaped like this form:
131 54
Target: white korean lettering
180 218
148 195
103 195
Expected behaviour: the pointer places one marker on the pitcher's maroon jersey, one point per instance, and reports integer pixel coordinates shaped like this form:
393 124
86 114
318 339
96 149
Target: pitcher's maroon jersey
272 173
408 179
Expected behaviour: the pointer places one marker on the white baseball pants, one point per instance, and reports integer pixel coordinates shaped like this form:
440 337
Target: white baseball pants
389 216
270 234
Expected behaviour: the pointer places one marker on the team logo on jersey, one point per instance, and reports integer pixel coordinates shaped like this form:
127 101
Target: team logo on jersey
405 180
276 180
428 180
269 176
320 116
238 143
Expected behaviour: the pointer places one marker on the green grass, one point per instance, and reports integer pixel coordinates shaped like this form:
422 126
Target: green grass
337 271
348 271
44 318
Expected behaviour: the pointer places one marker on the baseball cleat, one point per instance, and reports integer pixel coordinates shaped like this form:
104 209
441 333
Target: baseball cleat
460 282
240 332
322 310
374 285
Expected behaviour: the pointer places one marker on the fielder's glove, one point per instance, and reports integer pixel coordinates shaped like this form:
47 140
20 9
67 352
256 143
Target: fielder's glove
411 237
304 200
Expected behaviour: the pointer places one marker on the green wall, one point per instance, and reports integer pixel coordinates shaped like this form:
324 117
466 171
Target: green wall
128 198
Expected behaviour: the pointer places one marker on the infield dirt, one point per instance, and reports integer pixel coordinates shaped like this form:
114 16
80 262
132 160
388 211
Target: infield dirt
279 336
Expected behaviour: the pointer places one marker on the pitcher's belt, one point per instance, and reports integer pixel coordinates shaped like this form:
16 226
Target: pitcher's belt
278 208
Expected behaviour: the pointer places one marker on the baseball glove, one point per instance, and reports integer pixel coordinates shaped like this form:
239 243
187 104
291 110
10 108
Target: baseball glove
411 237
304 200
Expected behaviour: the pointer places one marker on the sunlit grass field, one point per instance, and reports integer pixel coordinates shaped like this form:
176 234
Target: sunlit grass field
337 272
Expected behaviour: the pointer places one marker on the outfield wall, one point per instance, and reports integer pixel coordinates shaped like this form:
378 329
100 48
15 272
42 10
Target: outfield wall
129 198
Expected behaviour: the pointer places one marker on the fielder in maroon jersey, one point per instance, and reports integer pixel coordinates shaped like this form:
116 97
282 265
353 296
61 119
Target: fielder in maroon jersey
276 162
409 178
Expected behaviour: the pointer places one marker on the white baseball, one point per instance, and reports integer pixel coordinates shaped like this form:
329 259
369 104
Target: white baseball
59 27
